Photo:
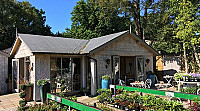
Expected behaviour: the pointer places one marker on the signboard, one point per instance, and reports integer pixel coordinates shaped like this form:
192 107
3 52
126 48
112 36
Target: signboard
169 94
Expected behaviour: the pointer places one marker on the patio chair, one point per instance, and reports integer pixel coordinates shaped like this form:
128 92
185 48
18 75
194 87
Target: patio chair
147 83
122 83
160 84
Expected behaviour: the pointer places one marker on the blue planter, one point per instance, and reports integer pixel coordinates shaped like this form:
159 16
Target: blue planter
44 89
152 77
105 83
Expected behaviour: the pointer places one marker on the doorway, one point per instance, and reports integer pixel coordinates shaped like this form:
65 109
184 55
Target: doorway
15 75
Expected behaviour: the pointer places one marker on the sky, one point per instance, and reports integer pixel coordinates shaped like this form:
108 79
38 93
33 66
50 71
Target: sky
57 12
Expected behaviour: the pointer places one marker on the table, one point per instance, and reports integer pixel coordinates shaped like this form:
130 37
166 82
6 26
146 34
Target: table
186 82
168 78
137 84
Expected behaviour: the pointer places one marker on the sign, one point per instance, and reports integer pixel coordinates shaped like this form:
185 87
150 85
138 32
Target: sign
59 99
52 97
169 94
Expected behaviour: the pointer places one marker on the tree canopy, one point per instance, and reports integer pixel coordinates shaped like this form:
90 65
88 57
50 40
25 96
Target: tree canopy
23 16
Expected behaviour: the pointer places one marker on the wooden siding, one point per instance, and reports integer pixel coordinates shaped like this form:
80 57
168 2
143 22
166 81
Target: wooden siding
125 46
22 51
3 73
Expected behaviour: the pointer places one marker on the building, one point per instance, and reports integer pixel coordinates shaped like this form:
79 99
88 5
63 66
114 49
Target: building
3 72
81 63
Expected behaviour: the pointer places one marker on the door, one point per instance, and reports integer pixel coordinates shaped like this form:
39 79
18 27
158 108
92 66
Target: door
140 76
116 69
15 75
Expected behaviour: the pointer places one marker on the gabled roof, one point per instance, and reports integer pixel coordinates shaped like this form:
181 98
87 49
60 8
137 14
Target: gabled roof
49 44
99 41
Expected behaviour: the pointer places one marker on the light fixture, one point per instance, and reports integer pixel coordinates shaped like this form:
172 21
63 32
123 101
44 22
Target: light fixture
107 62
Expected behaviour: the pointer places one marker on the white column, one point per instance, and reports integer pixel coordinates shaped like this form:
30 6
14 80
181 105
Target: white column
93 77
83 68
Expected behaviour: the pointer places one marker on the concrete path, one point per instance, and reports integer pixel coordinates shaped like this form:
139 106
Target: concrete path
9 102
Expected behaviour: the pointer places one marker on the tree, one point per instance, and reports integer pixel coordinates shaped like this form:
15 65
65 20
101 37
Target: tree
23 16
187 21
89 21
131 10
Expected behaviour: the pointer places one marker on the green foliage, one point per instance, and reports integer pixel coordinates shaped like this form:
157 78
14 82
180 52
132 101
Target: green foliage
22 15
22 103
190 90
62 94
23 87
42 82
88 21
106 77
63 88
22 95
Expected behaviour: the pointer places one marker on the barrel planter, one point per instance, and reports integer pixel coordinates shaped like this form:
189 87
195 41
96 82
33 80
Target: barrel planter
105 83
29 93
152 77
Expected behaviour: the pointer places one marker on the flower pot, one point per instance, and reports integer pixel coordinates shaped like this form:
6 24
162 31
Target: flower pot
29 93
105 83
44 89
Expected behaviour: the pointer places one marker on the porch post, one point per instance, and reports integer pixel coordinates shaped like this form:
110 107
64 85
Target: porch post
93 76
83 67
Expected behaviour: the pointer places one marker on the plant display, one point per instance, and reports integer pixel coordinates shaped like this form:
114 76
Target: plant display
187 77
134 101
42 82
189 90
106 77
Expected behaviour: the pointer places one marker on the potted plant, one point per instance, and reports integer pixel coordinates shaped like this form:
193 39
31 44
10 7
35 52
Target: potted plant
29 91
44 88
105 81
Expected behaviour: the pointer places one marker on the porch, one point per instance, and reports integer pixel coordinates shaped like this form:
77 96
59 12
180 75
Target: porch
129 69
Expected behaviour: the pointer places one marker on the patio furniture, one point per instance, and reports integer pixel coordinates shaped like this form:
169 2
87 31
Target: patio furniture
168 78
122 83
138 84
162 84
147 83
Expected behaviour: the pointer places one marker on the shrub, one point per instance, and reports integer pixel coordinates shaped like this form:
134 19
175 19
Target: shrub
22 95
23 87
22 103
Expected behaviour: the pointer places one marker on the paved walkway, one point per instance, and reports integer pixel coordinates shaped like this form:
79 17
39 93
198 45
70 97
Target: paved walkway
9 102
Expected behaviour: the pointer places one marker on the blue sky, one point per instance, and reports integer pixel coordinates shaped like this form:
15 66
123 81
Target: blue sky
57 12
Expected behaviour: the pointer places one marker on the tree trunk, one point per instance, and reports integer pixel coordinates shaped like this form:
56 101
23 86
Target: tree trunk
144 22
185 57
196 56
137 18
